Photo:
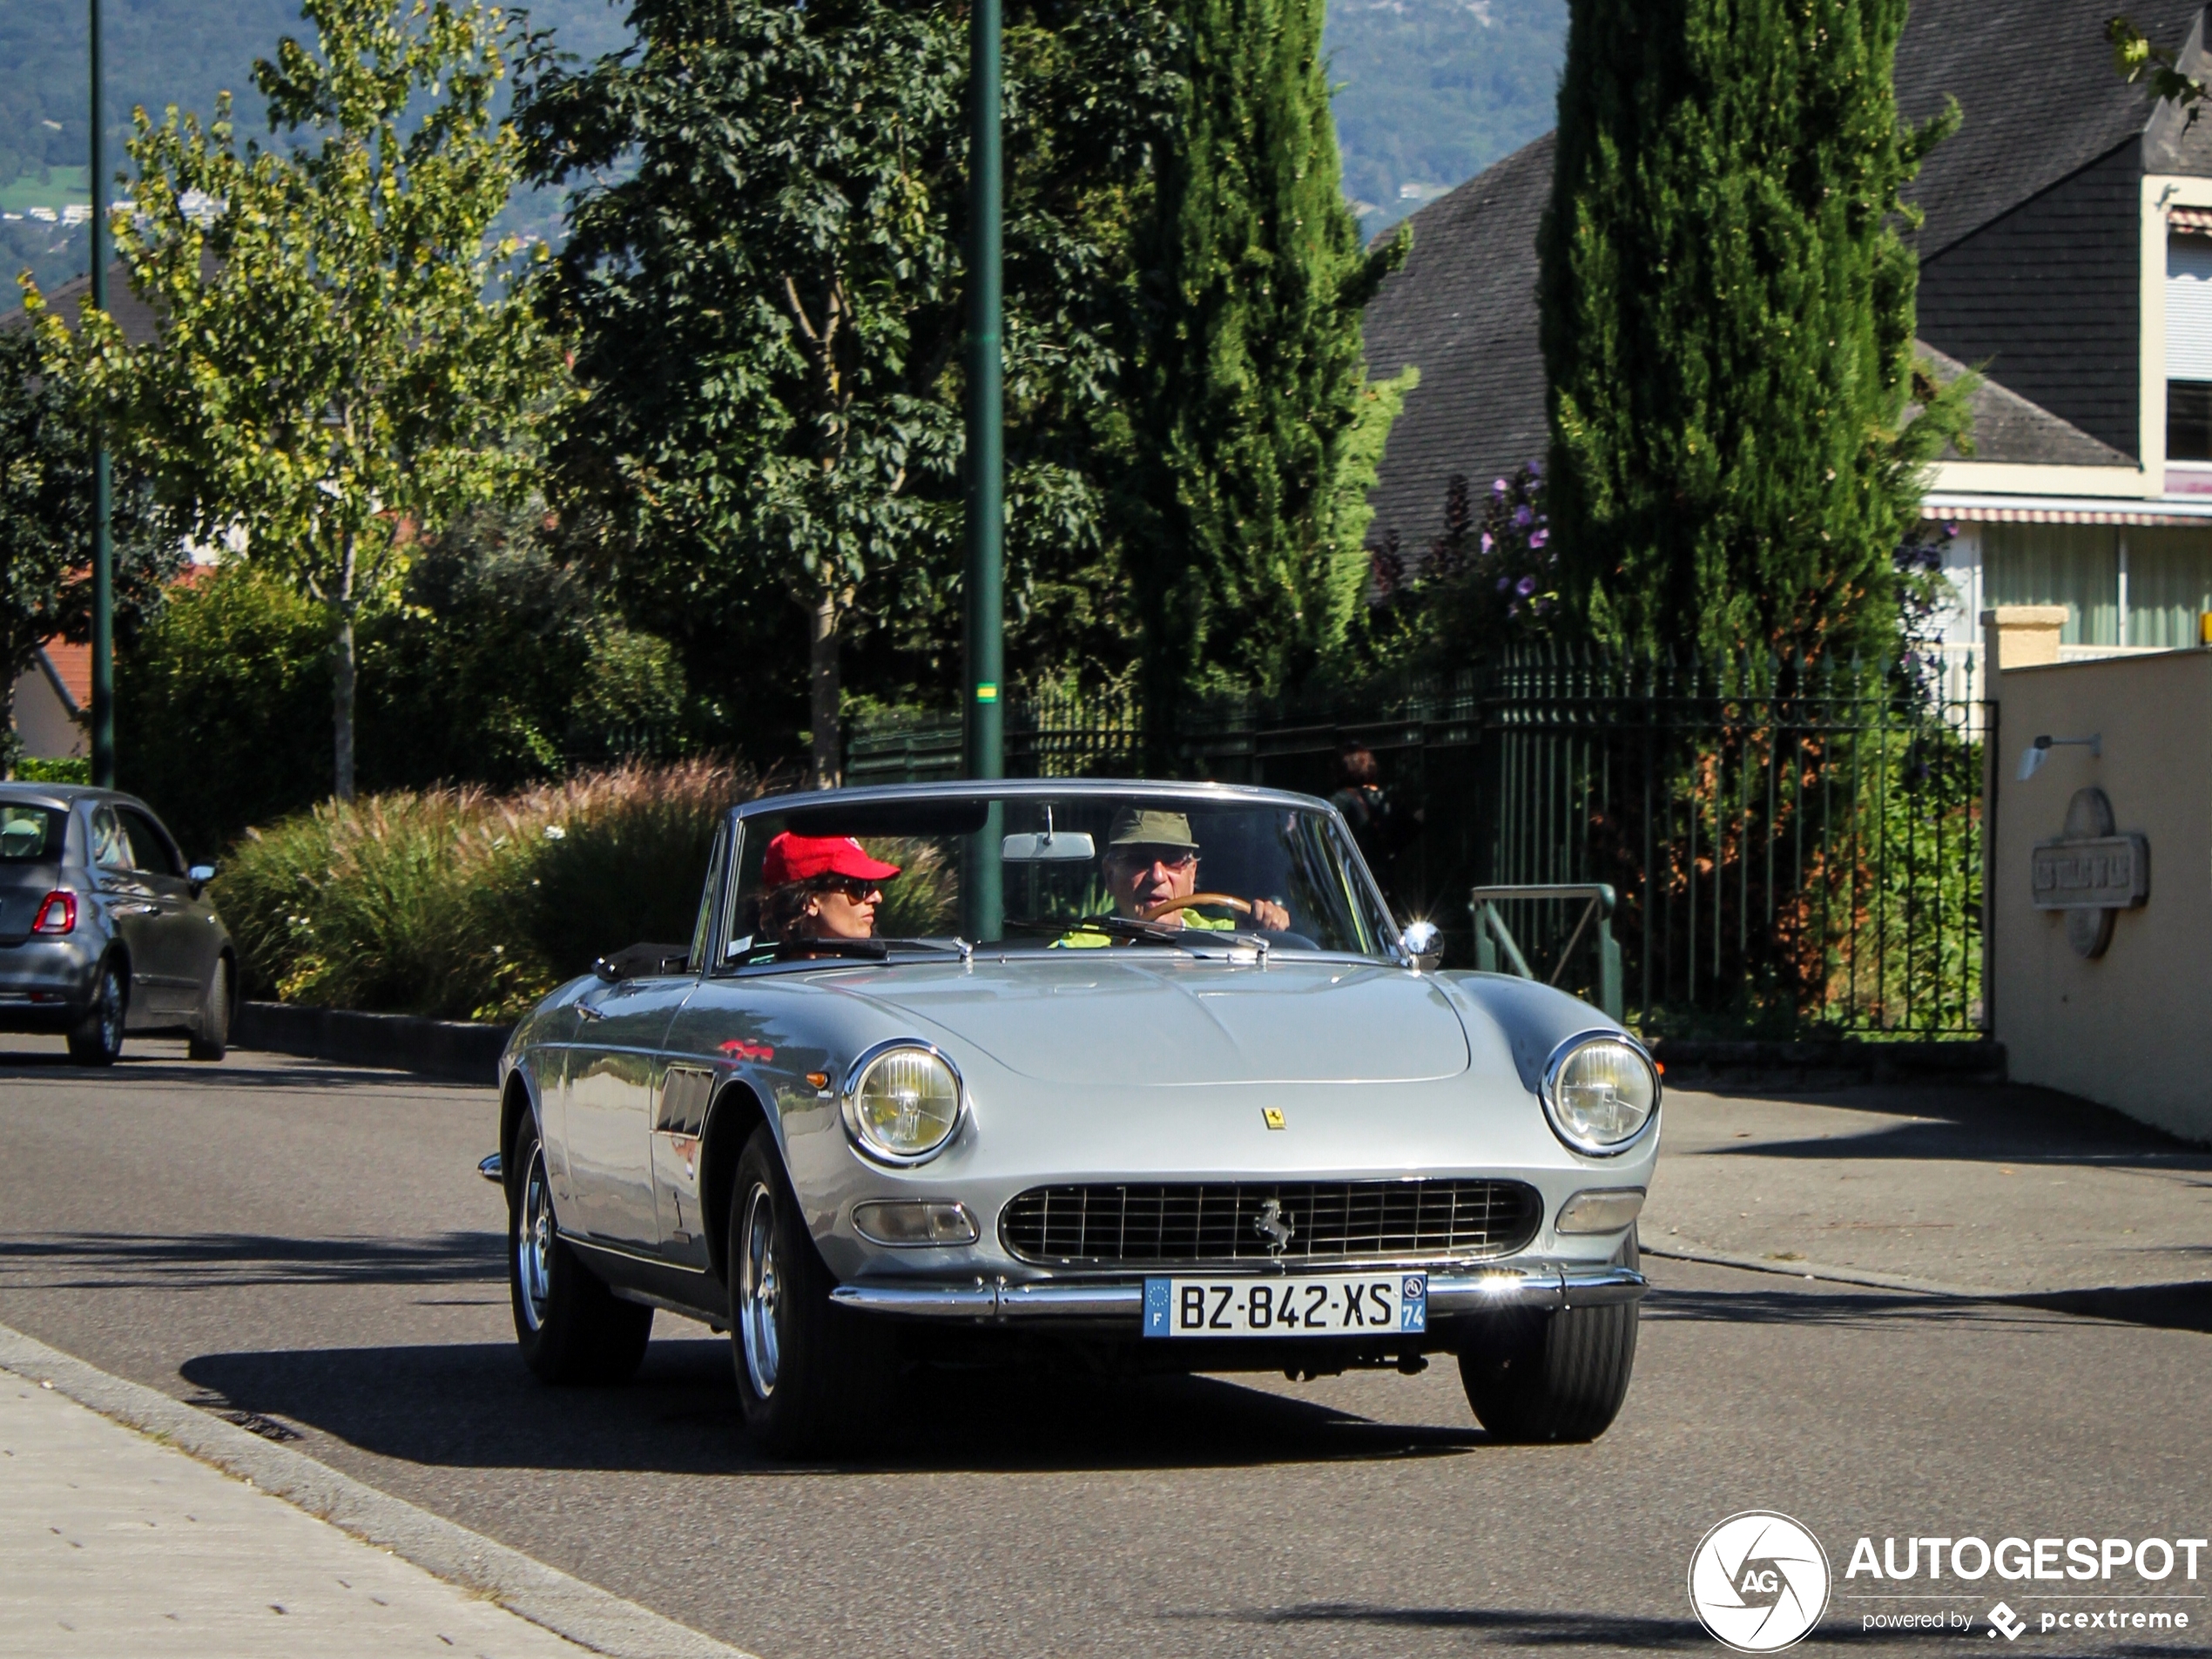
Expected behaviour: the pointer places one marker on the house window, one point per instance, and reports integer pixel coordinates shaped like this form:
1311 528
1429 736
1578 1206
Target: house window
2074 565
2189 420
2188 348
2169 583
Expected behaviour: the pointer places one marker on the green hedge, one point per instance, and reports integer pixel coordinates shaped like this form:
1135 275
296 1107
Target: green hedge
462 904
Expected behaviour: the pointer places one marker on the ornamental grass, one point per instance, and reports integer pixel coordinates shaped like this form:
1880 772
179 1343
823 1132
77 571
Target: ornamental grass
461 904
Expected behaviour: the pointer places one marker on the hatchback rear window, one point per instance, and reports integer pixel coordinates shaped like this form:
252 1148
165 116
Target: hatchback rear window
30 835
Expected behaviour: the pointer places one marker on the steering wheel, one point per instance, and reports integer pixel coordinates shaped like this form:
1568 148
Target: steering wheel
1191 901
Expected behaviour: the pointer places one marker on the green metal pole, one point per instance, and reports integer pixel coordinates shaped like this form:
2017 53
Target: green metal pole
982 695
103 542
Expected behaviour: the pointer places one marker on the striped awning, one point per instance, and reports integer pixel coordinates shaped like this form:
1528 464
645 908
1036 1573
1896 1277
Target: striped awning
2196 221
1955 507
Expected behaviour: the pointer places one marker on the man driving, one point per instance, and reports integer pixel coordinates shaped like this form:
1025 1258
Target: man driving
1151 861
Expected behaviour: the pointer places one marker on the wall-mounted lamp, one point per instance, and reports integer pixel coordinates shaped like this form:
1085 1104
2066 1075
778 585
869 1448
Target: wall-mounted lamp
2040 751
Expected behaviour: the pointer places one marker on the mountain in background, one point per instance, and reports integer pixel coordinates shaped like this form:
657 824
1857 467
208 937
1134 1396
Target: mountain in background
1431 92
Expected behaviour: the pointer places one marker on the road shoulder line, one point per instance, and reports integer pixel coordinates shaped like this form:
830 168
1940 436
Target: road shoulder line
583 1613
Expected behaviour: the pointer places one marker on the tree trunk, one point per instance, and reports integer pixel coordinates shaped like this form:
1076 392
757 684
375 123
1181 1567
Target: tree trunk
341 676
823 677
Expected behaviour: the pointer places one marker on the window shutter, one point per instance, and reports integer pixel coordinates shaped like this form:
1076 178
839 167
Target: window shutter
2188 308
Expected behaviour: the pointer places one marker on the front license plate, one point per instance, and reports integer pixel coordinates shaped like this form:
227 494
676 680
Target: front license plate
1331 1305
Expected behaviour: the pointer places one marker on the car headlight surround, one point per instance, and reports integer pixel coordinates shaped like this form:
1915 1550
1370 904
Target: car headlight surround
1601 1093
903 1101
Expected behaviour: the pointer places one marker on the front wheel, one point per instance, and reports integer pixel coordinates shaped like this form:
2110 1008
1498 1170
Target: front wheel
211 1036
1553 1376
97 1039
812 1377
570 1327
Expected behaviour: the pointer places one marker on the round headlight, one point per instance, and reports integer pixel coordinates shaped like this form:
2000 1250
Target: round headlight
1600 1091
902 1102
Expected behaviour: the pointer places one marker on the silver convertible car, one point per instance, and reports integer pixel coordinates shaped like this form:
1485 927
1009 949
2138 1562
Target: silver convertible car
1142 1074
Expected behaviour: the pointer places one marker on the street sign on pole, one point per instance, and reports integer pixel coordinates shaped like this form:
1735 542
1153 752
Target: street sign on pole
982 695
102 542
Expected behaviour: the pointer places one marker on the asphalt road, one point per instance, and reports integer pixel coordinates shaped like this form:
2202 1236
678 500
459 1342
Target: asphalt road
309 1248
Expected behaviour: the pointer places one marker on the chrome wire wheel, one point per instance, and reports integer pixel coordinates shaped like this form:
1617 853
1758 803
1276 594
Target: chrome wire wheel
759 1289
534 1242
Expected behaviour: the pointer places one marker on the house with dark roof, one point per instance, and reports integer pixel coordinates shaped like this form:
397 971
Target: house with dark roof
2066 251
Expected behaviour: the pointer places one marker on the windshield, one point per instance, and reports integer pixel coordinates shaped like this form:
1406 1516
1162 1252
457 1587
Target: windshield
1079 872
30 835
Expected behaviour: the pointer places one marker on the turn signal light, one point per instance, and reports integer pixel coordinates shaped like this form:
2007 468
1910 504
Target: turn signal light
58 914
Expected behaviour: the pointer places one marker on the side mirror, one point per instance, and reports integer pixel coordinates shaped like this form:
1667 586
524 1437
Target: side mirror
199 875
1422 944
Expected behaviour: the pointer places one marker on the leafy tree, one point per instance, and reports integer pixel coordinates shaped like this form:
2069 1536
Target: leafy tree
1728 317
1252 386
46 528
494 663
331 377
763 273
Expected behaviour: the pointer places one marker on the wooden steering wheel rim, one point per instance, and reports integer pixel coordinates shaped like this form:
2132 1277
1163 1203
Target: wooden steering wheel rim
1243 907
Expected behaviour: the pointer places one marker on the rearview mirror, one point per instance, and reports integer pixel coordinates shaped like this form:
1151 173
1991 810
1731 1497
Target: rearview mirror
1050 847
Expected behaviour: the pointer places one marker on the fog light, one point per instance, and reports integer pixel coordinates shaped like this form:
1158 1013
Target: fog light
1605 1211
905 1224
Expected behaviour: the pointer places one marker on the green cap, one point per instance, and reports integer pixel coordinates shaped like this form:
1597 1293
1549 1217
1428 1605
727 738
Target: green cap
1142 827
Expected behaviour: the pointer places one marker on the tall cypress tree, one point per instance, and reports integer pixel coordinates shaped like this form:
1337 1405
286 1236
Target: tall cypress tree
1727 319
1255 409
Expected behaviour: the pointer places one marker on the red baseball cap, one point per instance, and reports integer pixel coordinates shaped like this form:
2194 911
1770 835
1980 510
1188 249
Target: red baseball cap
795 857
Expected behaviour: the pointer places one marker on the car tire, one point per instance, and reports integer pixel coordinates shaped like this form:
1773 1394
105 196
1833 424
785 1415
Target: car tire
570 1327
1555 1376
211 1036
97 1039
812 1377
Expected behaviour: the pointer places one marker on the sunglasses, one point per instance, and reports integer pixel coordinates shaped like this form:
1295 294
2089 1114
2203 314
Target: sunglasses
852 887
1140 857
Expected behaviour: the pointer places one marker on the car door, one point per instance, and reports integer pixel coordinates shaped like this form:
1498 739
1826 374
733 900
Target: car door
613 1075
134 910
182 931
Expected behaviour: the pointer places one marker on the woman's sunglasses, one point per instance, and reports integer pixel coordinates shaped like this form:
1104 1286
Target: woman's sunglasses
852 887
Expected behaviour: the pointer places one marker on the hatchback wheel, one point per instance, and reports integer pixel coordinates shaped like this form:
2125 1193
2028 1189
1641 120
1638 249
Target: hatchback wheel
97 1039
211 1036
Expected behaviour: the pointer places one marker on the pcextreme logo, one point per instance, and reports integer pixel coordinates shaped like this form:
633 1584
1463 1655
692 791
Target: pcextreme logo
1759 1582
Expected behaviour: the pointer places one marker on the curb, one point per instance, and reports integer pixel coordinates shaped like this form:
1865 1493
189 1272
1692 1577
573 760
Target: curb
2082 1298
584 1614
457 1050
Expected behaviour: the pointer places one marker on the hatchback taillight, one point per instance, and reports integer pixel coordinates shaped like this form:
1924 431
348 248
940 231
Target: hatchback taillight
58 914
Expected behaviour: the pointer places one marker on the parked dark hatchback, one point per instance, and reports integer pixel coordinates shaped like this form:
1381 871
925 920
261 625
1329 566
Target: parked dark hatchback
104 928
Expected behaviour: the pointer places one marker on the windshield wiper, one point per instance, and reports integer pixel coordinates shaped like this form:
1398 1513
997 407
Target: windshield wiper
1114 927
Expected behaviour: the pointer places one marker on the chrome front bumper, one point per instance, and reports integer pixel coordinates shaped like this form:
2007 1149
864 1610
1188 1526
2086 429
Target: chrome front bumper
1540 1285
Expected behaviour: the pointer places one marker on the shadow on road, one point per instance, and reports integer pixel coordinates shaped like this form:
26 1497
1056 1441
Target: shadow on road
190 1261
2169 1307
29 1066
1982 1125
474 1406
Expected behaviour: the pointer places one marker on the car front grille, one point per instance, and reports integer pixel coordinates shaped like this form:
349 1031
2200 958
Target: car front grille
1328 1221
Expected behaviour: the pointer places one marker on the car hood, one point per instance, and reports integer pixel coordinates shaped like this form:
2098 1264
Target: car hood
1159 1019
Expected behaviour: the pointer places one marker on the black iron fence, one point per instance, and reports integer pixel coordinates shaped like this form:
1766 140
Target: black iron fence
1794 851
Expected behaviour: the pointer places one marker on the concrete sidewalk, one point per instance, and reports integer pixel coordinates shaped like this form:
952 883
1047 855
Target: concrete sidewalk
1985 1192
113 1544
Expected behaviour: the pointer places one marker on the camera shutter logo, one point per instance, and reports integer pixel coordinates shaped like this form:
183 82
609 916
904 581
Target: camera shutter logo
1759 1582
